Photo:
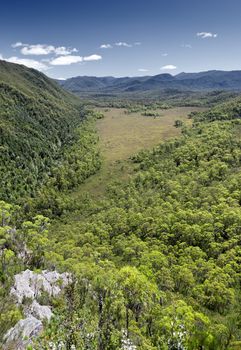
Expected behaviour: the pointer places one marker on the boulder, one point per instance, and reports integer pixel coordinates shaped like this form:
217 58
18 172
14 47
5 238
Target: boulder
30 285
41 312
19 337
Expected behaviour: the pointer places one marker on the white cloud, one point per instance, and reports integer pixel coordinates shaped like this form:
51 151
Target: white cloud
60 56
28 63
205 35
121 43
37 49
92 58
17 44
71 59
42 49
62 50
169 67
106 46
164 54
143 70
66 60
1 56
187 46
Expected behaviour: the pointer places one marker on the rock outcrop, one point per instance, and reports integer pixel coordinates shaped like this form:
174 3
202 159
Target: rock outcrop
19 337
31 285
41 312
28 287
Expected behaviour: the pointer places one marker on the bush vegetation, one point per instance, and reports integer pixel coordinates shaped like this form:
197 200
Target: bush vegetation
156 262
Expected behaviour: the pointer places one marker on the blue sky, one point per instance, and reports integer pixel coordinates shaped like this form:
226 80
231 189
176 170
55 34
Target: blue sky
121 37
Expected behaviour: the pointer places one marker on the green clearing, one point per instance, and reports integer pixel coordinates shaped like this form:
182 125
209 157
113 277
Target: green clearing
121 136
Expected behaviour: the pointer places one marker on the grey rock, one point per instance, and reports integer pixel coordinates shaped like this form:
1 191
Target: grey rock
19 337
41 312
30 285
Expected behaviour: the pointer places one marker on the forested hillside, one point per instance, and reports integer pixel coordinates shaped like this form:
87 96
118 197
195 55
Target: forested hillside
48 147
38 122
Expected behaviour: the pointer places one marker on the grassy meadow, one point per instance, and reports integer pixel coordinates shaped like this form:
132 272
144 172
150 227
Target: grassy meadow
121 135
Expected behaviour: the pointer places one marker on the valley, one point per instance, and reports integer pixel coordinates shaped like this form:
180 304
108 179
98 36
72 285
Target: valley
120 175
122 135
134 203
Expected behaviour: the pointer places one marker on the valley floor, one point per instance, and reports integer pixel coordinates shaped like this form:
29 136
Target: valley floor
122 135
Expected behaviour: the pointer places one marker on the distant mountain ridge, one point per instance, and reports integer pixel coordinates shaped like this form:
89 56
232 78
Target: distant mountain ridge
207 80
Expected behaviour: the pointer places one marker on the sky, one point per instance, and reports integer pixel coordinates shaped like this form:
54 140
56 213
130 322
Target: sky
121 37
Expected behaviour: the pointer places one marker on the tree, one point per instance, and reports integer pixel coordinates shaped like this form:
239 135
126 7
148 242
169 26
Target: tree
183 328
140 295
178 123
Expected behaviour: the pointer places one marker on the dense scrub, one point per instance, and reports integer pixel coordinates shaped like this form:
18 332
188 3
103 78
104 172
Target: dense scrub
155 263
225 111
37 121
162 99
79 160
48 146
159 258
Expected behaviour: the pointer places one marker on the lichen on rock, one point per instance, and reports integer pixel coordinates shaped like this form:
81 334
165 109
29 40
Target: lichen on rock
20 336
29 285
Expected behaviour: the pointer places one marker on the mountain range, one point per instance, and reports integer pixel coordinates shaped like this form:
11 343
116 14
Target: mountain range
209 80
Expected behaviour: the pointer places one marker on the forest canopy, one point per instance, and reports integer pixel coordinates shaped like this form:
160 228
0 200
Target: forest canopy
155 264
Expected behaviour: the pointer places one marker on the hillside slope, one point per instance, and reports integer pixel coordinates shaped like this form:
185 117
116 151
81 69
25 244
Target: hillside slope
37 119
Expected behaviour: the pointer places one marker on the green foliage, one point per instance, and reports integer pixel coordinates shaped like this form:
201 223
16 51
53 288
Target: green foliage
162 99
22 246
9 315
37 123
151 114
182 327
156 262
148 109
48 141
225 111
168 242
79 161
178 123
